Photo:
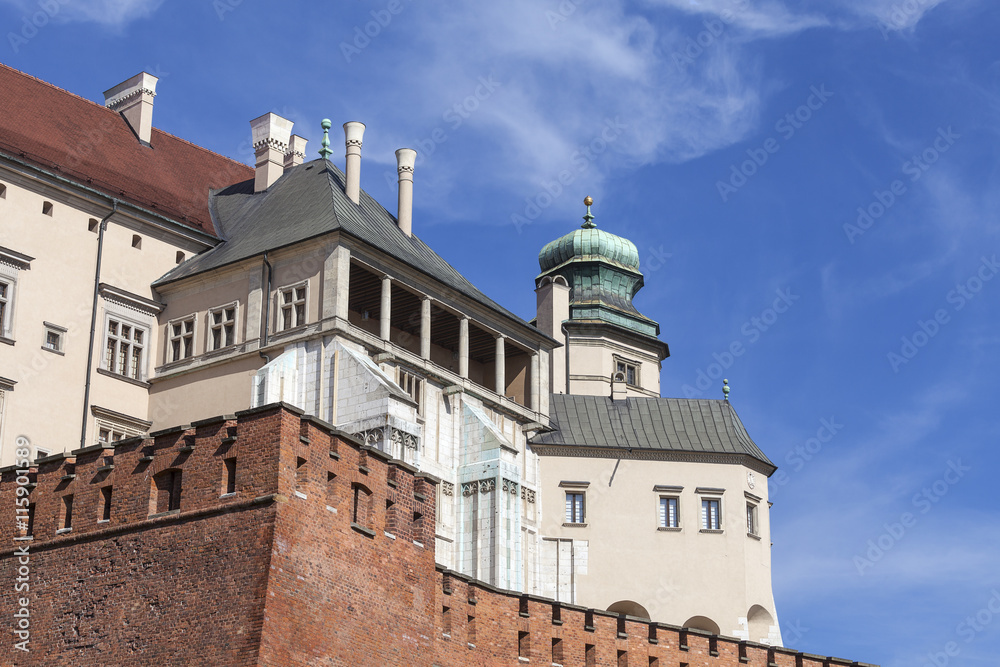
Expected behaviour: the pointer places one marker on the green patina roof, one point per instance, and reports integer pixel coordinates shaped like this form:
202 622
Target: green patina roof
602 271
582 243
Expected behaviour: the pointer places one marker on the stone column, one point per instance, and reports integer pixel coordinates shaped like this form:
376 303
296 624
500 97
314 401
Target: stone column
463 347
533 383
501 366
386 311
425 328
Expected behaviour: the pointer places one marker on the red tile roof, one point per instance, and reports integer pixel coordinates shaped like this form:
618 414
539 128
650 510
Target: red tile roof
86 143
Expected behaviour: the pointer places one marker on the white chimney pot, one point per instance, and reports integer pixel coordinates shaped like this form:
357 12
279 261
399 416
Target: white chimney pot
271 135
133 99
406 158
353 134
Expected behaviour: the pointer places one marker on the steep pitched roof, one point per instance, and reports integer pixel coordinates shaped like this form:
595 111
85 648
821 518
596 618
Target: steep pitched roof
307 201
665 424
84 142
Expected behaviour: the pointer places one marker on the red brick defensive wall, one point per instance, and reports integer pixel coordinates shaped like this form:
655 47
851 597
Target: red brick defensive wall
270 538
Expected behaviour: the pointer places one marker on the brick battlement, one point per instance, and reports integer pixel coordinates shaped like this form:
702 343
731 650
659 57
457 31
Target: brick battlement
271 538
477 620
213 465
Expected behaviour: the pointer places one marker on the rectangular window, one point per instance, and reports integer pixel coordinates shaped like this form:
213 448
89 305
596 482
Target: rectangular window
668 512
229 481
630 371
109 433
574 507
53 337
6 297
292 303
125 349
223 327
106 503
710 516
412 385
752 519
67 518
53 341
181 335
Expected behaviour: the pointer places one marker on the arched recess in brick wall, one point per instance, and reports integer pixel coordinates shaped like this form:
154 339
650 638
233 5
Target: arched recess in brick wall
703 623
629 608
759 621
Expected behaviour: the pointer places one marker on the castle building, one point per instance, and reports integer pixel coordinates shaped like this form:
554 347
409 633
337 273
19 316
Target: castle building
148 285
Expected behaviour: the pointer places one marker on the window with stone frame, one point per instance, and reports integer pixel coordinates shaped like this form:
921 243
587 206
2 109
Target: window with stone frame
180 335
222 327
413 385
292 306
124 348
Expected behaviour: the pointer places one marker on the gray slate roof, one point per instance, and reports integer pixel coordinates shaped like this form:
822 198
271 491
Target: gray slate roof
307 201
666 424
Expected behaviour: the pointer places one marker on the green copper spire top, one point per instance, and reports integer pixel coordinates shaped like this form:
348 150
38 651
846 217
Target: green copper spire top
325 152
588 220
725 389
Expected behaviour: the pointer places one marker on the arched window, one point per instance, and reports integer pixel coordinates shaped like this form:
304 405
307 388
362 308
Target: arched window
759 622
629 608
702 623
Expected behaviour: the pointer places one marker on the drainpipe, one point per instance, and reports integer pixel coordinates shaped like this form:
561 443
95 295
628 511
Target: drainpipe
562 327
267 309
93 320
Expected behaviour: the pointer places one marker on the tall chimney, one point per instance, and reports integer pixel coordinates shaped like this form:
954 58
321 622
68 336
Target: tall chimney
133 99
296 151
271 134
405 159
353 132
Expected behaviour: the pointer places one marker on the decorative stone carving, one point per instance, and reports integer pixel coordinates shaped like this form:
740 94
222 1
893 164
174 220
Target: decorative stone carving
527 494
372 437
487 485
448 489
470 488
510 487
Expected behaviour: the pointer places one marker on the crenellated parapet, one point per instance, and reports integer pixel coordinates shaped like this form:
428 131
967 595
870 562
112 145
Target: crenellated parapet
476 621
270 454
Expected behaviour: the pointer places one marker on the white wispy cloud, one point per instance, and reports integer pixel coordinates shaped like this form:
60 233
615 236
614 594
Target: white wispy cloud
111 13
762 19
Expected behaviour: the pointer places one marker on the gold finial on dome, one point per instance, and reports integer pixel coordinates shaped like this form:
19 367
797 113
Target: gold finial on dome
588 220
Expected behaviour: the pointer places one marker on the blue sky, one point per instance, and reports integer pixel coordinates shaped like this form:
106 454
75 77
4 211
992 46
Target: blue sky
835 161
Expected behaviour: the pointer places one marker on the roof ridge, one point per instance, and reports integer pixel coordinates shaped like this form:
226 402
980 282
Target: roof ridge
54 87
104 108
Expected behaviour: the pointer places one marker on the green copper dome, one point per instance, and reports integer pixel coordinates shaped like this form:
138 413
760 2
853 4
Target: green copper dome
589 243
602 272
